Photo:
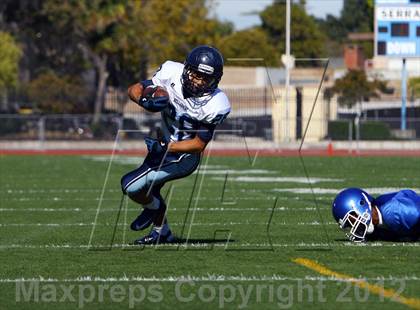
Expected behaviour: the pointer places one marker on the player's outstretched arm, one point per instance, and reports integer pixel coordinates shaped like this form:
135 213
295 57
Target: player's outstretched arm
135 92
195 145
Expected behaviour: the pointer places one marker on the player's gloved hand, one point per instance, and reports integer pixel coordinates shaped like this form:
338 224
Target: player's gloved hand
156 147
154 104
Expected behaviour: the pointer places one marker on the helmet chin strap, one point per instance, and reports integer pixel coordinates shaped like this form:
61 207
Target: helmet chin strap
371 227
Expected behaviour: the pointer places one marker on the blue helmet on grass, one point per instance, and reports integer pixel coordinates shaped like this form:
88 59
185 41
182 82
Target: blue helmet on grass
203 63
352 209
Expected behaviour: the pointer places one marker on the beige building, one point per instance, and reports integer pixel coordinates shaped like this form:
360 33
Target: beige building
289 117
305 112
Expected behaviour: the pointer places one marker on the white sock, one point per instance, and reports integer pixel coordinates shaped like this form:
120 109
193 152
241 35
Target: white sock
154 204
162 230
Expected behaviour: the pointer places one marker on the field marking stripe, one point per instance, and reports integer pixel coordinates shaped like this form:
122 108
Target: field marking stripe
171 209
201 224
206 278
206 244
375 289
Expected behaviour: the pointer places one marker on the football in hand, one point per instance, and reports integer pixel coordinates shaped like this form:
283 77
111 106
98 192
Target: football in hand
154 92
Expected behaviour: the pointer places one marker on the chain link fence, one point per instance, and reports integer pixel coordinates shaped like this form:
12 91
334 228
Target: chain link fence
252 111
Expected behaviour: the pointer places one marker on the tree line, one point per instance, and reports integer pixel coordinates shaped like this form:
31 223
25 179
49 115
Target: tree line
61 55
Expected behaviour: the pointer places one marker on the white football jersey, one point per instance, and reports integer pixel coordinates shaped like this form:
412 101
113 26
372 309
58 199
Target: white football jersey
183 117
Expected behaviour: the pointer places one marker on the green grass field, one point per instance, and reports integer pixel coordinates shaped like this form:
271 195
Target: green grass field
243 227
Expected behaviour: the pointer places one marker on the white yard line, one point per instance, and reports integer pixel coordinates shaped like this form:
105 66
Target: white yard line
334 191
232 171
206 278
304 180
297 190
234 197
228 246
314 223
50 191
37 199
221 209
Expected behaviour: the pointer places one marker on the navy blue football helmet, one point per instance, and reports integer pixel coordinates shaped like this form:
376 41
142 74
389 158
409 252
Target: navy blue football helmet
203 69
352 209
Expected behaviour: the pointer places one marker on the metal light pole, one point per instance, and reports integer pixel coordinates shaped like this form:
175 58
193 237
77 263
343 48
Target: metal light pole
404 95
287 86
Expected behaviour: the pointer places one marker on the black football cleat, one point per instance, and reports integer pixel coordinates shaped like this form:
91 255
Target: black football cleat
149 216
155 238
145 219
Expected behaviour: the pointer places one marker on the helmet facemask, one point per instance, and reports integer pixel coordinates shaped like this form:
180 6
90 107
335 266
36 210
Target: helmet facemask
357 224
203 69
196 83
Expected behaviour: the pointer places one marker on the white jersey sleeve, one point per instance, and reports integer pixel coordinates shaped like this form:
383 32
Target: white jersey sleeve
217 109
167 71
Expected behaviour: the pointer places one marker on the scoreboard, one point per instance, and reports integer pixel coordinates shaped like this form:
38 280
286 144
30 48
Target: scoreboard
397 28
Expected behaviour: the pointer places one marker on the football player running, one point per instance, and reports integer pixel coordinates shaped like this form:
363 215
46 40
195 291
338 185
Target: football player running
194 107
391 216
